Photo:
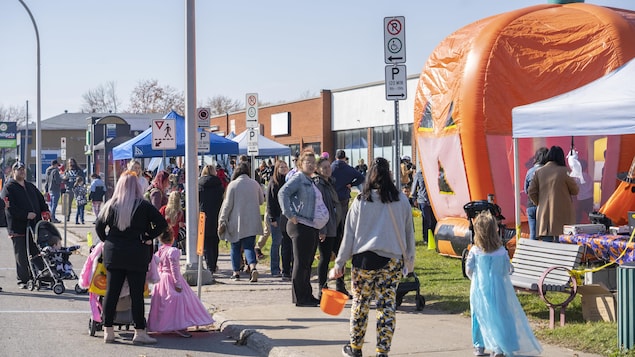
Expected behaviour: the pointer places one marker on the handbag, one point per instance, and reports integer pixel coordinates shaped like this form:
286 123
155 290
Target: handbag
409 263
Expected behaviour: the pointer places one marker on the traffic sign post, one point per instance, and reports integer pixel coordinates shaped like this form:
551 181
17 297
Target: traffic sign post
252 110
63 148
252 142
202 117
203 141
394 39
163 134
396 79
396 82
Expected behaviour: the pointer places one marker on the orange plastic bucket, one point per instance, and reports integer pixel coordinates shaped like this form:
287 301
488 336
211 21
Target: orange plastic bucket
332 301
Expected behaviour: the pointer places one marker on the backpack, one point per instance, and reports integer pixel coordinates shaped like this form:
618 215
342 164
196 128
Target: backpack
98 194
50 180
47 181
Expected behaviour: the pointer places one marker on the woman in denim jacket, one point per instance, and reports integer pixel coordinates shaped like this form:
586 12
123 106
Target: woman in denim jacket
299 198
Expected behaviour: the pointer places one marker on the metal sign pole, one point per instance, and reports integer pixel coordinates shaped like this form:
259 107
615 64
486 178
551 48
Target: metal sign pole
397 155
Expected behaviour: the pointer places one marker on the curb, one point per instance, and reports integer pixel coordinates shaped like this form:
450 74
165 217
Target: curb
254 339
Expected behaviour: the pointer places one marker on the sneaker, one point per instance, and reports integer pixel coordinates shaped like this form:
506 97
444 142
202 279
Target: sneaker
480 351
259 254
254 276
286 277
235 277
348 350
55 220
310 303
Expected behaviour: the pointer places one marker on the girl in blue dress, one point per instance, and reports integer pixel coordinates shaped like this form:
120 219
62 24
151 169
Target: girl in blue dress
499 323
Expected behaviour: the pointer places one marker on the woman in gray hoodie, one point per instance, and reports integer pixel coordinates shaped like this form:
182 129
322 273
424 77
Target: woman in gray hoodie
378 235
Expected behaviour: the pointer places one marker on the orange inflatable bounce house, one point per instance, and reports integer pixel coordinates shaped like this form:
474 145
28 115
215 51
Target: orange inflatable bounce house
473 79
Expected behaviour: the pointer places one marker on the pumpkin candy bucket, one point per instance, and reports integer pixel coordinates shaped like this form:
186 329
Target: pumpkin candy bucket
98 282
332 301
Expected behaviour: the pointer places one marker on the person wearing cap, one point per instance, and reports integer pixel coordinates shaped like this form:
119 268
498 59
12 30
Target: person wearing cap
407 171
24 207
53 185
345 177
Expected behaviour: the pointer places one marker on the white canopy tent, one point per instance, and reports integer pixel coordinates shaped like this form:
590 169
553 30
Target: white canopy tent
605 106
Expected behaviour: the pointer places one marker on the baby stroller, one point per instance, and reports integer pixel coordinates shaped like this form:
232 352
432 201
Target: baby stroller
42 275
409 283
93 278
472 209
56 259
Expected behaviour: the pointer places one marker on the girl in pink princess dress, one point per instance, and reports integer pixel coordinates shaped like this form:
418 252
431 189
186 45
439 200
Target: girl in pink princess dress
174 306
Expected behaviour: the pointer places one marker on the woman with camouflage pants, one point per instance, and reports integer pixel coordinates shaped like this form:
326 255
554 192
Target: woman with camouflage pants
371 240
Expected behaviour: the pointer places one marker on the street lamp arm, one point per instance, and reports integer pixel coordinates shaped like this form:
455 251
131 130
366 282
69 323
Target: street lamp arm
38 122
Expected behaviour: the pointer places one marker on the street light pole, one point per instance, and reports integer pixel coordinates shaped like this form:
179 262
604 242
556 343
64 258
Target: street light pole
38 126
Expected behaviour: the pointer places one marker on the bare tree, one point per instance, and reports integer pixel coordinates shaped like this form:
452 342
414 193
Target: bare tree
149 97
15 113
102 99
307 94
221 104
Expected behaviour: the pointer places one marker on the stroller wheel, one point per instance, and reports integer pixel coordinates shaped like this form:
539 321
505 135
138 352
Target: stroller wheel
30 285
58 288
421 302
93 326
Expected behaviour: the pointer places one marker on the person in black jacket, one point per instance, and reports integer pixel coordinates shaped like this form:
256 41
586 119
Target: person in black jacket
24 206
344 177
127 224
281 245
54 187
210 199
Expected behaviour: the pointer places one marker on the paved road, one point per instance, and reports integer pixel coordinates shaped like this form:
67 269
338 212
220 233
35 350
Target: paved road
41 323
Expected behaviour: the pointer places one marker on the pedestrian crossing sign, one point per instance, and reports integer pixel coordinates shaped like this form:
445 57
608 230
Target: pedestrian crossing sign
163 134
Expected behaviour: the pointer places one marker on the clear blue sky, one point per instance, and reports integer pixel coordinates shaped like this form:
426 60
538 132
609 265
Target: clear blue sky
279 49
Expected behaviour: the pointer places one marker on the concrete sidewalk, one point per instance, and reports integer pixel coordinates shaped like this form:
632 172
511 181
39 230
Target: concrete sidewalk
262 316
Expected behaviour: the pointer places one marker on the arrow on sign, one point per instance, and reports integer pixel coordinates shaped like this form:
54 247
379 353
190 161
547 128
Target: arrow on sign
396 95
391 58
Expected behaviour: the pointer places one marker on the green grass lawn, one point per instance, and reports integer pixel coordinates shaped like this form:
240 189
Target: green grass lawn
445 289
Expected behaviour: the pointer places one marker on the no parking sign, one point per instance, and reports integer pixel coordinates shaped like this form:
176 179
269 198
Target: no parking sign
202 117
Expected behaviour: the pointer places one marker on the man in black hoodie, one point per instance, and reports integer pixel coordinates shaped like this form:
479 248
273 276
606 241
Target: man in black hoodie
345 176
24 206
53 185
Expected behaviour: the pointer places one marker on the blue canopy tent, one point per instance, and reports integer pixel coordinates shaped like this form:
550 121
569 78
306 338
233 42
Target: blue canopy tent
266 146
141 145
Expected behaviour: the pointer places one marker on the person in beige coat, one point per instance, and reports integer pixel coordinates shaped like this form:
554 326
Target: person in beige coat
551 190
239 219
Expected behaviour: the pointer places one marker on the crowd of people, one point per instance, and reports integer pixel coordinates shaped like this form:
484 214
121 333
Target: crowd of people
308 210
139 220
